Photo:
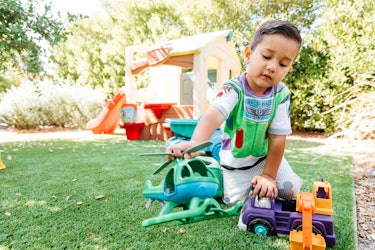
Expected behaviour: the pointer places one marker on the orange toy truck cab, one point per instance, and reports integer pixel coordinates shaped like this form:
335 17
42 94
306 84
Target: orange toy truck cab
322 192
306 239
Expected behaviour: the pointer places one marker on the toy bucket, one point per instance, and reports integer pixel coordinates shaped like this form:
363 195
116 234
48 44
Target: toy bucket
128 113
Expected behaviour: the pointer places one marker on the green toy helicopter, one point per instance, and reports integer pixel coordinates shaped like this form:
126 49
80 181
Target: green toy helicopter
194 184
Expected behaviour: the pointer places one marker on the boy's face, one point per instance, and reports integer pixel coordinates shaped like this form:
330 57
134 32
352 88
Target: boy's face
270 61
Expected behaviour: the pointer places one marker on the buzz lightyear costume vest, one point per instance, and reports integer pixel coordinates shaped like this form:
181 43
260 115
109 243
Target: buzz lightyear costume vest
248 122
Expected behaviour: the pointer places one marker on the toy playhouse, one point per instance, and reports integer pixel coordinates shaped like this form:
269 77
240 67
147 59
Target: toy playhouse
183 75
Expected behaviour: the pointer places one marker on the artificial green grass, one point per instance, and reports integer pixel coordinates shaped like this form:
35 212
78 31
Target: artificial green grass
51 198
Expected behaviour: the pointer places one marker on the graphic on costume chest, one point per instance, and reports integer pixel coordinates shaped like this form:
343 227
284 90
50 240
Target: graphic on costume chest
257 110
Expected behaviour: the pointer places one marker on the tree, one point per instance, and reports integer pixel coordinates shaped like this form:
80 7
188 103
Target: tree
334 79
26 28
95 51
243 17
347 34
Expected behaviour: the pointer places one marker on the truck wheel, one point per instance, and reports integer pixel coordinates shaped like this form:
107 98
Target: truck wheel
260 226
315 230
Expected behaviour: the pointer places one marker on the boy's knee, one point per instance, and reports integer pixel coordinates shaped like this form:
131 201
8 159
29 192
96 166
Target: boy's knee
289 190
233 198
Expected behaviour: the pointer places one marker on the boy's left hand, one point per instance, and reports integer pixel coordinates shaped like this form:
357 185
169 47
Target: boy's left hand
264 186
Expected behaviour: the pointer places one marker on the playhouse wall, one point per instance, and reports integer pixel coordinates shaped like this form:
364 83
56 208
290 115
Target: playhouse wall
154 128
164 86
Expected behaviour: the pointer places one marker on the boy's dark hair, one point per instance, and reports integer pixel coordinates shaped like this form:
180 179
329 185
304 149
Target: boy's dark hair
275 26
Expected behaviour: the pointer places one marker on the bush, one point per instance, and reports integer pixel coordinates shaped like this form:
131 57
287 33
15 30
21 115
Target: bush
357 119
311 94
44 103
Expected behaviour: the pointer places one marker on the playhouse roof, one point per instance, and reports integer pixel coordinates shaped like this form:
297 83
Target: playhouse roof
180 52
197 43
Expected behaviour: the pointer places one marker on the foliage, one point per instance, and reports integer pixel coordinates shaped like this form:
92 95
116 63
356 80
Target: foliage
92 57
24 28
88 195
310 95
242 17
8 78
335 73
357 116
94 53
32 105
348 31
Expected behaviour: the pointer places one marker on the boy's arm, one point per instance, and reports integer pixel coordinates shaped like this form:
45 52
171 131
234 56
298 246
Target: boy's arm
208 123
265 184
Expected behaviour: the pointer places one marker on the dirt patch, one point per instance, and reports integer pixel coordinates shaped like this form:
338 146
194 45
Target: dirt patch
364 187
363 170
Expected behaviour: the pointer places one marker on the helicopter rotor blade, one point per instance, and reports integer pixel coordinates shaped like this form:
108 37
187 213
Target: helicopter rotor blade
197 147
192 149
165 164
157 154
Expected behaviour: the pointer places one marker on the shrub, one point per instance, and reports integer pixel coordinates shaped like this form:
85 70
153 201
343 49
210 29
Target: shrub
45 103
357 119
311 94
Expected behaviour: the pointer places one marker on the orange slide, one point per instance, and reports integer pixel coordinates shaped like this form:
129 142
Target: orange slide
107 121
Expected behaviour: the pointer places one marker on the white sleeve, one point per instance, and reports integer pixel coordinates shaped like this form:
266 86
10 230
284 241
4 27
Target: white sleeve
225 100
280 124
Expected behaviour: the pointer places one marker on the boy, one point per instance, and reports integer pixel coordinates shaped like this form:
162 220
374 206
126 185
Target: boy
255 108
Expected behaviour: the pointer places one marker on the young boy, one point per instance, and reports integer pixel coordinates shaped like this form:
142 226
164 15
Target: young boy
255 107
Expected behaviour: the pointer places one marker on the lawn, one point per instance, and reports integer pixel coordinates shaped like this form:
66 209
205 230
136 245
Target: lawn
69 194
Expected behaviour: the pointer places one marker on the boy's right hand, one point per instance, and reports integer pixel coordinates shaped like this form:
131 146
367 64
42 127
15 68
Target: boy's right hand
180 147
264 186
